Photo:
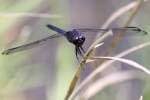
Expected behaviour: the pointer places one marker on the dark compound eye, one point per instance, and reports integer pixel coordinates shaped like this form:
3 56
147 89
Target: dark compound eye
79 41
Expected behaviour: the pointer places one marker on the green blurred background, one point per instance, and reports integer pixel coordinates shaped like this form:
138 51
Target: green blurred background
45 72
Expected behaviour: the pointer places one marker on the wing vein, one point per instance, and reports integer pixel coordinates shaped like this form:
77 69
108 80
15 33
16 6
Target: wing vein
29 45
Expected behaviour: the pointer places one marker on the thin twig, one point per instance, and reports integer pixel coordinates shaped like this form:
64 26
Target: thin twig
103 83
77 74
106 81
106 65
127 61
90 50
119 36
120 12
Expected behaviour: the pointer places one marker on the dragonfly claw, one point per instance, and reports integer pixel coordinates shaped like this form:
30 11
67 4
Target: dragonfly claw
79 51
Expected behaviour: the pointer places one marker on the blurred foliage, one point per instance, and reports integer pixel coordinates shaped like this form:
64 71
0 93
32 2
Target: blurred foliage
17 77
9 66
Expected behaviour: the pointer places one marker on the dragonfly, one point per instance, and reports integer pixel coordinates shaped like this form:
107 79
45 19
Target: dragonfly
74 36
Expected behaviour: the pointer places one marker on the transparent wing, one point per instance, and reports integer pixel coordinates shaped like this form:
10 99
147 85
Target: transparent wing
30 45
114 30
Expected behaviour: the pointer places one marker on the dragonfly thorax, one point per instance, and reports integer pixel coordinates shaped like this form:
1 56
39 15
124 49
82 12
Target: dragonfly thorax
75 37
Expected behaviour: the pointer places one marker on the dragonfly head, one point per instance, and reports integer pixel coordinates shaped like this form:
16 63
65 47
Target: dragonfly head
75 37
79 41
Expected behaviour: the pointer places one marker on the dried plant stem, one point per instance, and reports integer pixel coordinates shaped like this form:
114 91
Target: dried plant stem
106 65
77 74
106 81
91 48
119 36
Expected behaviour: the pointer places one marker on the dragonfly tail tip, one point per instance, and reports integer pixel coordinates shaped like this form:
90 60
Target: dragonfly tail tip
140 30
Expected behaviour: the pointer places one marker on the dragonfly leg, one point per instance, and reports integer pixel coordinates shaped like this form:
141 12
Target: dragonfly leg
82 49
76 52
79 51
